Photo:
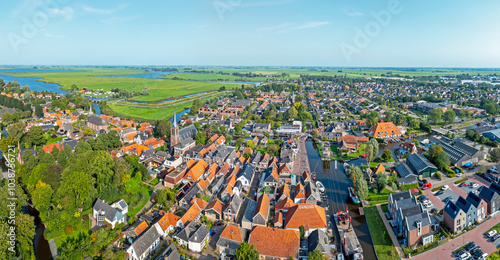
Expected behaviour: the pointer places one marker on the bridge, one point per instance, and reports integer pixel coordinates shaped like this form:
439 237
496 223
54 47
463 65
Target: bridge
440 131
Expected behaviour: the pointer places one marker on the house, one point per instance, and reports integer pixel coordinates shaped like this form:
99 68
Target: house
406 173
454 217
310 216
96 123
261 214
246 175
404 210
170 253
318 239
491 197
229 240
351 142
193 236
419 229
145 245
113 214
469 210
394 198
247 220
385 130
479 204
213 211
459 152
407 148
261 127
136 230
193 213
265 239
168 223
232 210
421 165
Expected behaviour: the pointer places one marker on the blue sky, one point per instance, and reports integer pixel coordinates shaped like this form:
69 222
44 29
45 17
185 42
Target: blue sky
425 33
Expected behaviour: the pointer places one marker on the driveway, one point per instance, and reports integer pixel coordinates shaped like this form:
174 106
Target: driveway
476 235
468 188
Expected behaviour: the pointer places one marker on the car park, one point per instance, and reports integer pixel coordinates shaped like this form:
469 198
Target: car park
462 184
465 255
438 193
469 246
460 252
495 237
445 187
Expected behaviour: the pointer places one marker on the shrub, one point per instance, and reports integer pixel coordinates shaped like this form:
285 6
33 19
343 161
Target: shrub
449 171
437 188
438 175
462 180
459 169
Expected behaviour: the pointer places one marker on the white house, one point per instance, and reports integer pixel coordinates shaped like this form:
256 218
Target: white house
143 247
114 214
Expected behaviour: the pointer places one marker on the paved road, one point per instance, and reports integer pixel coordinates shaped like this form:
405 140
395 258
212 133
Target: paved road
444 252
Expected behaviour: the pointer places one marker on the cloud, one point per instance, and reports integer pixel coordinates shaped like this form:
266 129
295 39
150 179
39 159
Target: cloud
119 20
266 3
352 13
66 12
90 9
54 36
288 27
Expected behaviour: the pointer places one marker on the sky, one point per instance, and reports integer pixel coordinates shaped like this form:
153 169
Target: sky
358 33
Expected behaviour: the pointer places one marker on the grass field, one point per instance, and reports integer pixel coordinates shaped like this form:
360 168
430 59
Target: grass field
381 240
158 89
211 76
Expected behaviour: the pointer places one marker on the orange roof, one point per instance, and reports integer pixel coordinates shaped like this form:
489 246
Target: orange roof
278 218
215 205
232 180
49 147
59 122
232 232
168 220
310 216
380 168
196 171
220 140
213 138
385 129
141 227
299 192
284 204
236 170
262 205
275 241
139 148
205 182
201 203
190 214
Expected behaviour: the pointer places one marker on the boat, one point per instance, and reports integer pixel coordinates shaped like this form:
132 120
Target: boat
320 186
340 256
353 196
358 256
314 176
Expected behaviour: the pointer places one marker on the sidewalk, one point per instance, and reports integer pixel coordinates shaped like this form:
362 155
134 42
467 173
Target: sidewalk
391 233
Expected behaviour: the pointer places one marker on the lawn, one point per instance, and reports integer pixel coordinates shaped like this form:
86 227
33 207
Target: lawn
359 152
54 140
381 240
374 197
154 181
495 227
212 77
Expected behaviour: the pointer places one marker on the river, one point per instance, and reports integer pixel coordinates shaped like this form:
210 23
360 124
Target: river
331 174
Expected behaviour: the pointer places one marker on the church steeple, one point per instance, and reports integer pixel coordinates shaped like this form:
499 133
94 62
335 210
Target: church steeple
174 133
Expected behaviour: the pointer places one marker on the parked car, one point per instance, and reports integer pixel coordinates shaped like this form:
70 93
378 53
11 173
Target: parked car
427 204
492 233
422 198
495 237
427 186
438 193
447 199
212 232
464 256
445 187
475 185
434 211
460 252
219 223
462 184
470 246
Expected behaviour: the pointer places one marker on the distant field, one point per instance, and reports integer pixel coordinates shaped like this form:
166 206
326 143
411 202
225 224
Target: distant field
159 89
213 77
156 111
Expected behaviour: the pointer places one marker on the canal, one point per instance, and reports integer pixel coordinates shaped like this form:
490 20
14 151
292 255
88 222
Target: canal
331 174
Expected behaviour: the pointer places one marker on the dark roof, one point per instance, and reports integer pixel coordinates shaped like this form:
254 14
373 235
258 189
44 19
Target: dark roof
31 149
486 193
419 163
247 171
422 218
456 149
234 205
72 143
400 195
199 235
187 132
404 170
144 242
242 102
318 240
410 210
95 120
170 253
250 210
464 204
495 187
191 194
451 209
473 199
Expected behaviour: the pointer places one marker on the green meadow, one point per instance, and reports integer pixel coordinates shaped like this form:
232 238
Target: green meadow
212 77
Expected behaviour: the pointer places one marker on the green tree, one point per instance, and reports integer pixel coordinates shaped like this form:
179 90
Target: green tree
449 116
434 150
387 155
442 160
381 180
42 196
36 136
292 112
495 154
38 111
369 154
374 143
25 232
199 138
77 185
16 131
361 187
162 128
316 255
246 252
250 144
436 115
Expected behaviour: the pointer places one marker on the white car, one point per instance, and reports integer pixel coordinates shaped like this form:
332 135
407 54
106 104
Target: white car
483 256
492 233
445 187
465 255
475 185
427 204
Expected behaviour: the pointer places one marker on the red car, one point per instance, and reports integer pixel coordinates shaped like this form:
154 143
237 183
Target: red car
426 186
462 184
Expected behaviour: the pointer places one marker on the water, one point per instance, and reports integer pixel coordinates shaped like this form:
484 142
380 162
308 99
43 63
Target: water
42 248
35 70
331 174
34 84
178 115
97 109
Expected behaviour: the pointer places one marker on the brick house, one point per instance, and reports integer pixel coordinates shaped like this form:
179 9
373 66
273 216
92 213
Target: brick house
480 204
454 217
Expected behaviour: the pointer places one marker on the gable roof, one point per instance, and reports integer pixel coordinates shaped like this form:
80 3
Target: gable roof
191 214
464 204
419 162
310 216
215 205
403 169
168 220
474 199
265 239
451 209
262 206
232 232
284 204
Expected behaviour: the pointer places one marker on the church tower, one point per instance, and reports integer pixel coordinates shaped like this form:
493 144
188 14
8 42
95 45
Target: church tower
174 133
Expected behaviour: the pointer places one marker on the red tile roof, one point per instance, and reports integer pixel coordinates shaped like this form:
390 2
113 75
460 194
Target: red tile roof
275 242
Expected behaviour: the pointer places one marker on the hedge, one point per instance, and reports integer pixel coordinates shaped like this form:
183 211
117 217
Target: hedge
438 175
437 188
462 180
449 171
459 169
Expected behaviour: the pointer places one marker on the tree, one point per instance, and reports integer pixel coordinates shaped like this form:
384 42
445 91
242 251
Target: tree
381 180
374 143
316 255
88 131
449 116
436 115
442 160
162 128
38 111
361 188
246 252
16 130
387 155
292 112
199 138
77 185
25 232
434 151
369 154
462 114
250 144
495 154
42 196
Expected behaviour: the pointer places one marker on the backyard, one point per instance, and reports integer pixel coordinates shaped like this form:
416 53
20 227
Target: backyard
381 240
